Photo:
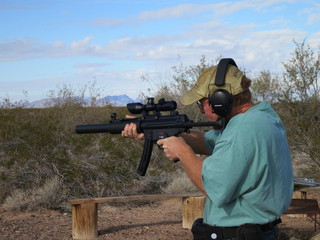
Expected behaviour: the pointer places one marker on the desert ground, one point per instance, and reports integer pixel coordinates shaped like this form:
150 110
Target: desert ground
160 220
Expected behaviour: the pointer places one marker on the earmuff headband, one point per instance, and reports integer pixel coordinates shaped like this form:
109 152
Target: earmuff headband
222 70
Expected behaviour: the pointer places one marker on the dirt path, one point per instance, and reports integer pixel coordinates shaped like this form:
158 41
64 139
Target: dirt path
147 221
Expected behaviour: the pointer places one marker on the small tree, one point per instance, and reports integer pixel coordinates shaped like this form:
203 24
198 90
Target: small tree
265 87
300 101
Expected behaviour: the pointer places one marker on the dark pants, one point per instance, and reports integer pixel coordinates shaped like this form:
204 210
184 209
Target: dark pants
203 231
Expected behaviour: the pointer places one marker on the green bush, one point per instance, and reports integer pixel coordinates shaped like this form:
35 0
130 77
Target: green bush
40 144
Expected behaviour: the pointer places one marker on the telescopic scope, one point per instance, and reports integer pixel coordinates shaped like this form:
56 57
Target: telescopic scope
162 105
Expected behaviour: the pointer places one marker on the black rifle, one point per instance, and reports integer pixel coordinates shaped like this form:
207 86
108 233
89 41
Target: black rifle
154 125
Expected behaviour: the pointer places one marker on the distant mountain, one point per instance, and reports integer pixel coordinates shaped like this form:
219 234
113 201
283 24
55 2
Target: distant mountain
115 100
42 103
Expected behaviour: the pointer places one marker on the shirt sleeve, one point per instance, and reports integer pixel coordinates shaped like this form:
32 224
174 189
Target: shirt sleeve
210 138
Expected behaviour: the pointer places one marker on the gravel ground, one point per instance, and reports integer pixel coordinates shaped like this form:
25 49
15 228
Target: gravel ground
133 221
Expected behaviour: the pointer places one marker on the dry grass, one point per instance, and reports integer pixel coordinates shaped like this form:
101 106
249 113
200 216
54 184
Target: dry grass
180 183
52 195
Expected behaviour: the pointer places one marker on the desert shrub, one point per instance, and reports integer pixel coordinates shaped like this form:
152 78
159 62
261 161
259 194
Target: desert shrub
179 183
38 144
52 195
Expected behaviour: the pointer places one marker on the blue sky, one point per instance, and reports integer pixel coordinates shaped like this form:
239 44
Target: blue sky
45 45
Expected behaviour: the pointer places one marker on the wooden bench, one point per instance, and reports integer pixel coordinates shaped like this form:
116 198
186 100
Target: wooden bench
85 211
309 207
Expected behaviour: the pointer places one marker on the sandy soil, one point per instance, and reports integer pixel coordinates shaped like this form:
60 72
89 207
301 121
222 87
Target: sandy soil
133 221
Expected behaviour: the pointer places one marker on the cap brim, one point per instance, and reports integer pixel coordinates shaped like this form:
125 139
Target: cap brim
190 97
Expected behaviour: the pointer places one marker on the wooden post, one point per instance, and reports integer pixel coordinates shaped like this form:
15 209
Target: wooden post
85 221
192 208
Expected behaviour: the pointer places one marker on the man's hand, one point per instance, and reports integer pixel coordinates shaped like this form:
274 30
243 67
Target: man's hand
130 131
174 147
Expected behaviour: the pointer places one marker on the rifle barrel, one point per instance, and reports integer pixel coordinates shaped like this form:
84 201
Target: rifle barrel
114 128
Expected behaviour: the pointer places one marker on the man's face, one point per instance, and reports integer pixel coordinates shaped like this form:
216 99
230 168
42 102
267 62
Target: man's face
206 109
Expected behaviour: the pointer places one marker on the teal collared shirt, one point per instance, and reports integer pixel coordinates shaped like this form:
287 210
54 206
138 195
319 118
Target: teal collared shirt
248 177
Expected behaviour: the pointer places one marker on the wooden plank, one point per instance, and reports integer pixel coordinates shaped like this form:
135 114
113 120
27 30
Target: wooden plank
310 189
151 197
303 206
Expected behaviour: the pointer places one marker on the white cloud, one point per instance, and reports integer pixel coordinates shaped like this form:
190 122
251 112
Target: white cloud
219 9
313 14
189 10
81 43
179 11
212 39
24 48
115 22
279 22
250 45
314 18
314 41
18 49
268 49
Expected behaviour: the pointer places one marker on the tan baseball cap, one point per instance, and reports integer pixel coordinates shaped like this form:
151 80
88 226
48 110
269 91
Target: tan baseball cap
205 84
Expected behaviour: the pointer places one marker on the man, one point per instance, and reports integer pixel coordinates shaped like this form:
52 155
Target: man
247 176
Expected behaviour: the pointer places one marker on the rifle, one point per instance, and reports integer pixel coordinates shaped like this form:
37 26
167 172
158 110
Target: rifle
153 124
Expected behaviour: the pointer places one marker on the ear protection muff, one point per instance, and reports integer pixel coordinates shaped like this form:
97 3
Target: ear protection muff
221 100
